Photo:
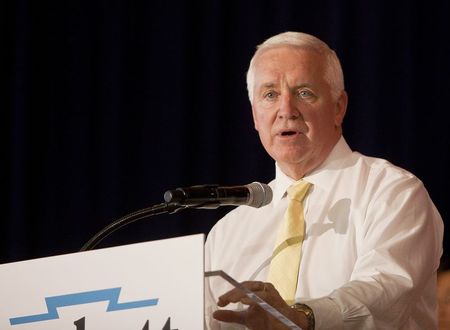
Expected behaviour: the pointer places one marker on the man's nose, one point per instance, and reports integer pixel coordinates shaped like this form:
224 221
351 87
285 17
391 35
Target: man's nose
288 109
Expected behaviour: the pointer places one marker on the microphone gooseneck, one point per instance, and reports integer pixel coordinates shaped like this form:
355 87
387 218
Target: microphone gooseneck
204 197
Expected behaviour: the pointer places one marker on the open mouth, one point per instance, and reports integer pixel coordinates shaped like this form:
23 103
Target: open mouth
288 133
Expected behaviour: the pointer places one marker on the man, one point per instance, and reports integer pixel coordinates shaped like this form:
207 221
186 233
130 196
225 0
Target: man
372 238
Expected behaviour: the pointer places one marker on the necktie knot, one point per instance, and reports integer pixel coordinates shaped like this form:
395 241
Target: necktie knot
298 190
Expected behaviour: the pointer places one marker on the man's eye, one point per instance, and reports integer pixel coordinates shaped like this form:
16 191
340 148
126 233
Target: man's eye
304 94
270 95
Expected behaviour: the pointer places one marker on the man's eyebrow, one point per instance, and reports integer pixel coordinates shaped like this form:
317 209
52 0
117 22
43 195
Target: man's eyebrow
266 85
301 85
293 88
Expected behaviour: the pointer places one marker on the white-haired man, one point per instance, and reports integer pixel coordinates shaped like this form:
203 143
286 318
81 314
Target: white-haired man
372 238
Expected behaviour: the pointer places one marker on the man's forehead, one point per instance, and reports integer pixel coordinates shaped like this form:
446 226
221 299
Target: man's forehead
279 52
267 76
283 60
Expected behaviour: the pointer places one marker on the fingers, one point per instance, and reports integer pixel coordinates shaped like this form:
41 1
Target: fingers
254 317
230 316
262 289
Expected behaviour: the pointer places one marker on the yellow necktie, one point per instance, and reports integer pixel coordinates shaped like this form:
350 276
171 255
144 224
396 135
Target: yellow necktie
283 271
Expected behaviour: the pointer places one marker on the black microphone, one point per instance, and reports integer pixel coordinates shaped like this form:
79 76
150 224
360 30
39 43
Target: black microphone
255 194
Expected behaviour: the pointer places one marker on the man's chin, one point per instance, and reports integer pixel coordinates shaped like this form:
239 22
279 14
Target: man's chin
292 156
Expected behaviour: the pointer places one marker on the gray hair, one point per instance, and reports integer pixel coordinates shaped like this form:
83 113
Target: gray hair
333 71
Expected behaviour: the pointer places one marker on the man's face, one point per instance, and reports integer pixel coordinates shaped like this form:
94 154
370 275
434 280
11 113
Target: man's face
294 112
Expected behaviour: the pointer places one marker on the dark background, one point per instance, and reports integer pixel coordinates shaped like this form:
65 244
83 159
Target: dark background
107 104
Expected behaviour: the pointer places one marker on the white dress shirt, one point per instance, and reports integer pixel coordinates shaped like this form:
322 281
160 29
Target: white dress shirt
371 250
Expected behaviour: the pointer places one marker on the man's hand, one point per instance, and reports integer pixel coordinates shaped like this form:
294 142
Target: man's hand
254 317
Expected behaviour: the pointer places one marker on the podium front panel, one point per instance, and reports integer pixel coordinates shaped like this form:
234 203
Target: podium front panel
146 286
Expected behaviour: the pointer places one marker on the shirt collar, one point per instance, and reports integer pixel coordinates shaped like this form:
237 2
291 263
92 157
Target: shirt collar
282 182
319 176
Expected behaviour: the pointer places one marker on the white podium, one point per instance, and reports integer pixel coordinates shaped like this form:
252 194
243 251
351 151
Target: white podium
146 286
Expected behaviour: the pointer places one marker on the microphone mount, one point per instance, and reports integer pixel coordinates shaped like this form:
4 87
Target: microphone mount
202 196
157 209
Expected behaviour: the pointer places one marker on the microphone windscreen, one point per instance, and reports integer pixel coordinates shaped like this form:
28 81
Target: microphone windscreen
260 194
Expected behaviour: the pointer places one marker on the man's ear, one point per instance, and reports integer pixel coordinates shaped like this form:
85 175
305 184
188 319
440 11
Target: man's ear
255 121
341 108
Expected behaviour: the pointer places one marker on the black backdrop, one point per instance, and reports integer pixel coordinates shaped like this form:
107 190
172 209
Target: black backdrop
109 103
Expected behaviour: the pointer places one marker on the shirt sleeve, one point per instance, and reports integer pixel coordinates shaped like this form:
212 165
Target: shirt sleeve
399 248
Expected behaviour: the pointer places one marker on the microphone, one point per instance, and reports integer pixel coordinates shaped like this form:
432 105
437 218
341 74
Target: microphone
255 194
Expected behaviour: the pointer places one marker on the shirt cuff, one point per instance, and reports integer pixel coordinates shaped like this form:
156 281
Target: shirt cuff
327 314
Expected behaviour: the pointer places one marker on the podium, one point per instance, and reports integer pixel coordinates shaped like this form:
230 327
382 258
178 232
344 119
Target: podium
156 285
146 286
